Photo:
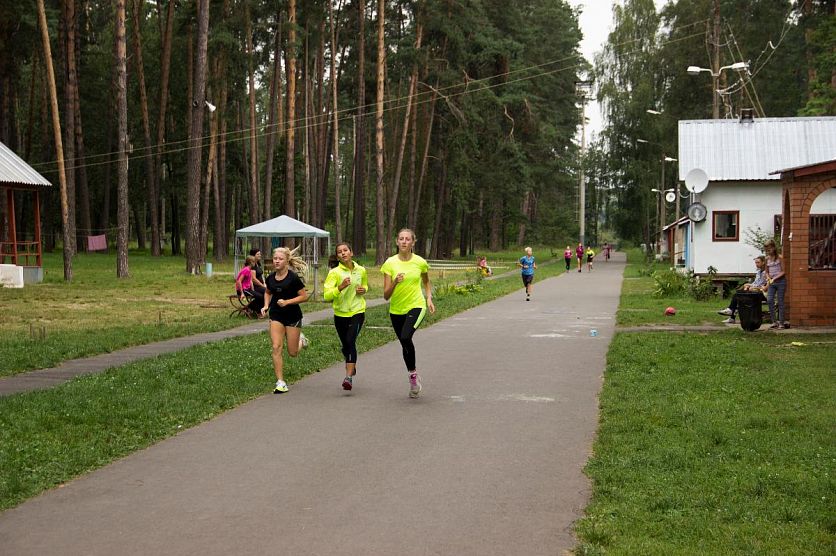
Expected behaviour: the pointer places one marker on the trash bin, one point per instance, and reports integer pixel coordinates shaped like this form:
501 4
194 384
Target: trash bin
208 270
749 310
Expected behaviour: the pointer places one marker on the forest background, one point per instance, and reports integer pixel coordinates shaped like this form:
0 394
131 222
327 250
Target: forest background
181 121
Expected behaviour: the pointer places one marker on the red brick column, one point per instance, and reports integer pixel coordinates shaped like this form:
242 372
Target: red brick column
811 295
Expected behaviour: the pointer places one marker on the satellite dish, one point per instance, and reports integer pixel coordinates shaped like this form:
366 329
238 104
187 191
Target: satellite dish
696 181
670 196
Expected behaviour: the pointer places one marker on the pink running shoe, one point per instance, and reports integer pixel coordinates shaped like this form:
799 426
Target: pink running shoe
414 385
347 383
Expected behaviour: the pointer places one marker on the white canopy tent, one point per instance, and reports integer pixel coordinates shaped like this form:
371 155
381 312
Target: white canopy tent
281 227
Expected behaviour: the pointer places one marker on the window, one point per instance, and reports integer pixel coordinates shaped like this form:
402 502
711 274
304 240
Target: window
822 242
724 225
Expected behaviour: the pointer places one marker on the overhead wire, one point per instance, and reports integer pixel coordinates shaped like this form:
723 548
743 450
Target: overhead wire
300 124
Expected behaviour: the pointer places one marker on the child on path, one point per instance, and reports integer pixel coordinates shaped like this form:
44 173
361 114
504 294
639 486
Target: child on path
285 291
346 286
403 276
527 264
579 251
567 257
590 254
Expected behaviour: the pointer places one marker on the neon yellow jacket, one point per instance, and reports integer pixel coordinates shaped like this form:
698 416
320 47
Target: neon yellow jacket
346 303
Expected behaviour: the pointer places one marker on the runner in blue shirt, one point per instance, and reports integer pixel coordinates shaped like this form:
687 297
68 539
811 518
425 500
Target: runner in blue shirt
528 266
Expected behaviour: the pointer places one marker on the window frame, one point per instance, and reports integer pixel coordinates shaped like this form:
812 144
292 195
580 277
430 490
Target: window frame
714 215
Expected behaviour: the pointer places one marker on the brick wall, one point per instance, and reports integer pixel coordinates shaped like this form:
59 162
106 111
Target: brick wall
811 295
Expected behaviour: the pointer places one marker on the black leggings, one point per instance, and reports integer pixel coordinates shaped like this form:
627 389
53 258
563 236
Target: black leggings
348 328
405 326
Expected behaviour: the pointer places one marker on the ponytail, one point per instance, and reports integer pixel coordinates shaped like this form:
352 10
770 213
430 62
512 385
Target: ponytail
294 261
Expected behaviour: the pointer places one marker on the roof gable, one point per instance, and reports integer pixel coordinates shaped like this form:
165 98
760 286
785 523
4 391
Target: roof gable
14 171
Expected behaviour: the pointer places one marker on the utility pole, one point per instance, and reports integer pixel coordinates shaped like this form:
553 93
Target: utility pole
582 88
715 62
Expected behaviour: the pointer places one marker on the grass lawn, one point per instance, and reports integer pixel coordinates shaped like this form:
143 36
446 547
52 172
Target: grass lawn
48 437
640 307
712 443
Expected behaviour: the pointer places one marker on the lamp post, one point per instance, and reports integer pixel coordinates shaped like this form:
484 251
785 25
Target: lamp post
582 89
715 75
662 208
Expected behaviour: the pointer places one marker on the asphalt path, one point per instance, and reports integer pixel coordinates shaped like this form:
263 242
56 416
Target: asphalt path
487 461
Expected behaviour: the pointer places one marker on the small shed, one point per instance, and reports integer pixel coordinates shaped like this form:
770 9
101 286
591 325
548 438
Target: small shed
20 245
285 227
809 243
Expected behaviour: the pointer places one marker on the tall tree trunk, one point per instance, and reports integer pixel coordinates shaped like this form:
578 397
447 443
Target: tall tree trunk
396 180
146 128
290 73
193 255
154 194
335 129
424 159
413 159
323 148
81 175
59 149
122 126
275 85
380 212
254 196
306 119
359 240
69 113
207 186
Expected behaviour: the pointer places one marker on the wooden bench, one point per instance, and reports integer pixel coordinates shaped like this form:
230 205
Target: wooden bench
241 306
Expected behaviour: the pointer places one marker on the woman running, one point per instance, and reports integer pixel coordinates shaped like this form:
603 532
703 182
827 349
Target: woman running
346 286
285 291
567 257
403 276
579 251
590 254
527 264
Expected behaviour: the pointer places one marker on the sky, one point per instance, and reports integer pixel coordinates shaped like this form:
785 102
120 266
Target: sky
596 23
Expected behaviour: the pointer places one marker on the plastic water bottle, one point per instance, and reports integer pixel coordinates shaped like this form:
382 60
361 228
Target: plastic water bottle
593 332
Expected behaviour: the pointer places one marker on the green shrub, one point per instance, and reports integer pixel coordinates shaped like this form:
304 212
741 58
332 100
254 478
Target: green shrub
668 283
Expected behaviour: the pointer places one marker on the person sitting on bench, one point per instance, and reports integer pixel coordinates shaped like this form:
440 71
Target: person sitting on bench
757 285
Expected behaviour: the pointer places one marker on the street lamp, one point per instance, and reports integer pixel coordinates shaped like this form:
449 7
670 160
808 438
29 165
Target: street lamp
661 206
696 70
715 95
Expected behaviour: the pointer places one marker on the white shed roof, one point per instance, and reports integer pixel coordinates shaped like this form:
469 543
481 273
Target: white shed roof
15 171
282 226
729 150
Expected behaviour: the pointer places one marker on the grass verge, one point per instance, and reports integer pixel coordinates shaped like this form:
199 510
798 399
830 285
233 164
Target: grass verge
716 443
49 437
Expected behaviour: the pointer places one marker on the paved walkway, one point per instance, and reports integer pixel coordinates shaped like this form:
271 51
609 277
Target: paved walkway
488 461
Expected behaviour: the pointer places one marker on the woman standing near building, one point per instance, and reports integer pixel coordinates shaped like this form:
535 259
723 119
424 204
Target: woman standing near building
285 291
777 281
345 287
403 276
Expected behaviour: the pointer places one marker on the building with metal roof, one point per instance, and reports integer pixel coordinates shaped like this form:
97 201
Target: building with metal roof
743 198
736 150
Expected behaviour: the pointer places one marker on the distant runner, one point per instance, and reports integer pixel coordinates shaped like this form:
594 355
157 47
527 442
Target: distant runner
527 264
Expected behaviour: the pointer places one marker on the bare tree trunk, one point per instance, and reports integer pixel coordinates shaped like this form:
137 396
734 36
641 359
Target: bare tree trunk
396 181
69 115
254 196
413 158
154 194
424 159
290 73
81 175
380 212
359 240
193 255
524 209
306 205
437 250
59 149
146 128
122 125
210 167
336 129
275 85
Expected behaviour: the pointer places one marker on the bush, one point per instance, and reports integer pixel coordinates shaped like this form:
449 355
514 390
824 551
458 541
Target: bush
668 283
699 288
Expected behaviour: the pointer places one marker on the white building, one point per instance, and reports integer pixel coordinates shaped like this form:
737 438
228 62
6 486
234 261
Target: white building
743 195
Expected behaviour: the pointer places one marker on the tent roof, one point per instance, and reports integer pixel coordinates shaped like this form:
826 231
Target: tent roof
282 226
15 172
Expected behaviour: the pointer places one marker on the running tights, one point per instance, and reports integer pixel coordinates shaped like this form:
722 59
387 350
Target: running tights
348 328
405 326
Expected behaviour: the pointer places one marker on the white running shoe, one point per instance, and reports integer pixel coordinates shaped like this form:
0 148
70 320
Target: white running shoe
729 320
303 341
725 312
281 387
414 385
